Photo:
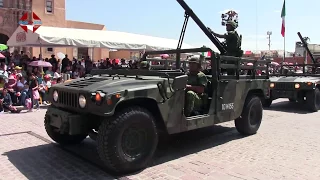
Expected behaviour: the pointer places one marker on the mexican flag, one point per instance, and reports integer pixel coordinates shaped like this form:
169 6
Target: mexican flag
283 16
206 54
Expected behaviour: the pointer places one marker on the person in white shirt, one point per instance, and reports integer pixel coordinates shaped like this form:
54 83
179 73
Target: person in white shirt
44 88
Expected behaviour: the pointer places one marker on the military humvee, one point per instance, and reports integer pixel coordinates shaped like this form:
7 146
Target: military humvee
300 87
126 110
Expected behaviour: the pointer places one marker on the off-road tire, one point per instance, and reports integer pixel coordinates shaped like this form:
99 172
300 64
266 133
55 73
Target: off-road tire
62 139
266 102
313 100
111 137
250 120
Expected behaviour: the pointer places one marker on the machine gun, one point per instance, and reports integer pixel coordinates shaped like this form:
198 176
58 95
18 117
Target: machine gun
305 45
189 13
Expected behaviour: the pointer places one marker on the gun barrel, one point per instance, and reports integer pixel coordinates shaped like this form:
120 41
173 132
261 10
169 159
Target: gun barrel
305 45
195 18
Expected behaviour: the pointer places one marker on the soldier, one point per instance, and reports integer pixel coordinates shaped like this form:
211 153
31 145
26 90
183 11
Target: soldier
197 82
144 65
232 39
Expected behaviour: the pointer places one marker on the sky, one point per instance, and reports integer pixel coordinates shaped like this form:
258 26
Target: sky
164 18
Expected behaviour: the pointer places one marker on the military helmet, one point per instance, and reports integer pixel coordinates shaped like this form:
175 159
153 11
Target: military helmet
144 64
194 60
233 24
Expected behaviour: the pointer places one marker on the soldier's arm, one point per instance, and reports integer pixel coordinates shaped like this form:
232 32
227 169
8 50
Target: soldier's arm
216 34
202 79
219 35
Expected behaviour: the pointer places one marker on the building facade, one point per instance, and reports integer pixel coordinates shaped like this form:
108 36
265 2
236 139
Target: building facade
51 13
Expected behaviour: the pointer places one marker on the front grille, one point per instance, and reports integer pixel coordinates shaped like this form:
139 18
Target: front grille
284 86
68 99
84 82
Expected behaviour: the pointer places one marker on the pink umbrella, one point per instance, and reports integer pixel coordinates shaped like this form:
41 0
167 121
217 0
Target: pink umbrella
40 64
164 55
2 56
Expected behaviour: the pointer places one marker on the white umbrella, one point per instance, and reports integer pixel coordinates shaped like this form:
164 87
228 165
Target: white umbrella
60 55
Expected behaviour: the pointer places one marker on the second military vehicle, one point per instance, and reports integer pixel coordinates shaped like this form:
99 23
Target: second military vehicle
126 110
303 87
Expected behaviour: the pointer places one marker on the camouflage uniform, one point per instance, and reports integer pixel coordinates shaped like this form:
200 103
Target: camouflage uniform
233 41
195 101
144 65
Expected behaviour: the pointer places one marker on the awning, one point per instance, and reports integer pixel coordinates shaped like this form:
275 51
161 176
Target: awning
63 37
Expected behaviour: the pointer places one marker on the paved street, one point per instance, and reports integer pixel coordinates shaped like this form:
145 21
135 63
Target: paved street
287 146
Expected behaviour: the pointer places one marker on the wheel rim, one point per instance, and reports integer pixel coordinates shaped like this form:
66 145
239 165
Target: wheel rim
254 115
134 142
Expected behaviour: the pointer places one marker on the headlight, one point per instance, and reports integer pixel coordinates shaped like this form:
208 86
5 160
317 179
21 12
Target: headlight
82 101
271 85
297 86
55 96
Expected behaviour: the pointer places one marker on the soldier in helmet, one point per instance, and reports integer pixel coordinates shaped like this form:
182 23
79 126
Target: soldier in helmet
144 65
197 82
232 39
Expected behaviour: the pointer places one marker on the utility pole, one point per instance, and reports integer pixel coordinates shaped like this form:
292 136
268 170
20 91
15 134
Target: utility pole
269 33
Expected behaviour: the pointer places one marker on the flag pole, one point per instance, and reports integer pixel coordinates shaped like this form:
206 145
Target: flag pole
284 48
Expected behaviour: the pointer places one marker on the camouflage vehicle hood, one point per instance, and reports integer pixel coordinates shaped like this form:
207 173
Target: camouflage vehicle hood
295 79
112 84
124 88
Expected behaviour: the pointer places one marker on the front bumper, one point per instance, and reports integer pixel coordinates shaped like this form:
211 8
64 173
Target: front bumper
67 122
275 94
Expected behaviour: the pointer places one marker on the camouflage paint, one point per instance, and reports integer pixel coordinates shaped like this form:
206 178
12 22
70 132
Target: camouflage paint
171 110
284 86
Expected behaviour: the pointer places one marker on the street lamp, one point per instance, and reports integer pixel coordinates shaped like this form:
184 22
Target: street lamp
269 33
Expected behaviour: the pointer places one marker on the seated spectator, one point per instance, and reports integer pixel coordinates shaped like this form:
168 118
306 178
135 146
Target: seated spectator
44 87
50 72
11 87
76 73
56 78
39 77
22 88
6 102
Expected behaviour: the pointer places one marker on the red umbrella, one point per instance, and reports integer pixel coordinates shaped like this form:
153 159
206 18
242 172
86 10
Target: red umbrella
2 56
40 64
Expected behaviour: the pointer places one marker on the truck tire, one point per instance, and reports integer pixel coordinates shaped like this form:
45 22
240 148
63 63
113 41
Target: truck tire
127 142
62 139
267 103
249 121
313 100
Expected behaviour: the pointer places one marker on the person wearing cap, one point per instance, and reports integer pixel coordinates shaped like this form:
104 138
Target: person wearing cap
197 82
232 39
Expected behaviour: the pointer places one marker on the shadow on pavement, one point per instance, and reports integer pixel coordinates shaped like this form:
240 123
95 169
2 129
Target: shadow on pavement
49 162
289 107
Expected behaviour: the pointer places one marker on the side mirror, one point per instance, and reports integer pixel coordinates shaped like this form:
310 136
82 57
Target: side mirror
180 82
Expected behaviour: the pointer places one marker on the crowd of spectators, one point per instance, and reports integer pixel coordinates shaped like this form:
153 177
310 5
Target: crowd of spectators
25 86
